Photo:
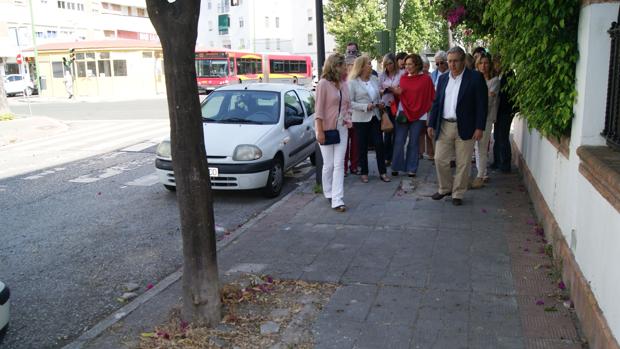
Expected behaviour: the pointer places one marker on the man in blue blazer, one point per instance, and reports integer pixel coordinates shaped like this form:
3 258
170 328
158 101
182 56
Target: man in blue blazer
457 119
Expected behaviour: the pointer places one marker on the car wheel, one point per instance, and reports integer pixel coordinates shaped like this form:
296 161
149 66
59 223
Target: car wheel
170 187
28 91
312 158
275 181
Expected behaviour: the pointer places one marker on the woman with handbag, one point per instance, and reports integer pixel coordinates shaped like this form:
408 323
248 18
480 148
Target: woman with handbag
389 79
331 122
366 115
416 92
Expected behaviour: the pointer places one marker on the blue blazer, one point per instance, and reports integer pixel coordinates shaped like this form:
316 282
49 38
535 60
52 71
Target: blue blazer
471 105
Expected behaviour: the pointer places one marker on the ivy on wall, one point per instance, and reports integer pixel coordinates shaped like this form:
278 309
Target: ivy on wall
539 40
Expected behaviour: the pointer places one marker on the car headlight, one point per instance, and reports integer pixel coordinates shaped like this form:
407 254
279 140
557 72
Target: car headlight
164 150
247 152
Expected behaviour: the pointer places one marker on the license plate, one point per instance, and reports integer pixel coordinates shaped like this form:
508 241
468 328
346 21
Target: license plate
213 171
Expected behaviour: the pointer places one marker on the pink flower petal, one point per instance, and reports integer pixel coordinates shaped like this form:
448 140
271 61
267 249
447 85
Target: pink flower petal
484 210
149 286
561 285
530 222
540 302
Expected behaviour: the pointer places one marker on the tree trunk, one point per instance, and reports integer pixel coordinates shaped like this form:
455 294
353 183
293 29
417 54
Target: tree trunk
176 24
4 104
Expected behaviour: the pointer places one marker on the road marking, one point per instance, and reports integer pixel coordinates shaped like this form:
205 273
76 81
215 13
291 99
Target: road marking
145 181
112 171
44 173
139 147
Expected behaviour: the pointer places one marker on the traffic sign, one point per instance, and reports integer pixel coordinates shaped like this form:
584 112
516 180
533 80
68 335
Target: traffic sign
19 58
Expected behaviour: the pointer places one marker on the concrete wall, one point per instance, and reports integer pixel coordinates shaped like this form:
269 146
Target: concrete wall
588 223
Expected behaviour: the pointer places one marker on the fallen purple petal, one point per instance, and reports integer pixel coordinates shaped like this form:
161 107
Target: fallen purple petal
484 210
530 222
540 302
561 285
526 249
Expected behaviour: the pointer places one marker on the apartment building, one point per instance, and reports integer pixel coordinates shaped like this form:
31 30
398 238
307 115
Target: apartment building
261 26
68 21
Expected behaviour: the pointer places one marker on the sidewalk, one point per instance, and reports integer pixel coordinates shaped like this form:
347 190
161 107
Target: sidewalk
27 128
413 272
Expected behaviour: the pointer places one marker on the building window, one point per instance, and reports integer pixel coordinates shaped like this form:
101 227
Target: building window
241 22
105 5
209 5
277 22
57 70
109 33
116 7
267 44
120 67
51 34
147 54
71 5
266 22
210 26
309 14
241 43
278 44
141 12
310 40
61 4
80 7
104 68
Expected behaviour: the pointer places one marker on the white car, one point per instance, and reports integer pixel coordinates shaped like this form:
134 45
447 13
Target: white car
16 83
4 309
253 133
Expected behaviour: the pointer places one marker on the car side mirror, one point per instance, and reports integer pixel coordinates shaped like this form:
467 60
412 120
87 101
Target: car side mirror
291 120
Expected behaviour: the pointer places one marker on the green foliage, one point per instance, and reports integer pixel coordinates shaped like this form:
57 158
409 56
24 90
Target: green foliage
539 40
356 21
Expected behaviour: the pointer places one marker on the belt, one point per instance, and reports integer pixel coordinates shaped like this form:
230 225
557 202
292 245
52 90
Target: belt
449 120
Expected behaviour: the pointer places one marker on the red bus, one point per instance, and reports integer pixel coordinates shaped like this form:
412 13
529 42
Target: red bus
215 68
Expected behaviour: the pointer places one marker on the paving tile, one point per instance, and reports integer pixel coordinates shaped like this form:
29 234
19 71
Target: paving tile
494 316
393 336
395 305
350 303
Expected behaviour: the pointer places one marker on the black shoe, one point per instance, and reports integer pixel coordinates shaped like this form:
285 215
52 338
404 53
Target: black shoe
411 174
438 196
457 202
394 173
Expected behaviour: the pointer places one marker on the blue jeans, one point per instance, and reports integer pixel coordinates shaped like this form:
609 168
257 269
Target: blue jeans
407 162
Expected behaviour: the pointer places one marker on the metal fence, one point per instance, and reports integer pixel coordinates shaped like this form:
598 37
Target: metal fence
612 111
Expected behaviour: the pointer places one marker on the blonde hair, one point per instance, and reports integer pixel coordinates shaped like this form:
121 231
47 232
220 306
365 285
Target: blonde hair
330 68
358 66
488 58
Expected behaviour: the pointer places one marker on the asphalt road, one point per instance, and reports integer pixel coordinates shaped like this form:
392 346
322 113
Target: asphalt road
73 234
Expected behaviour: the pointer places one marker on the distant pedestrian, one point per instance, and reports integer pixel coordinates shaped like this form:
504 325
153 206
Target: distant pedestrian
481 147
68 80
458 118
416 93
426 143
332 113
365 107
388 80
470 62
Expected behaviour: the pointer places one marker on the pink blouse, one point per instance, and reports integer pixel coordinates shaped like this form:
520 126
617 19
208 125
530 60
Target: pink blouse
326 106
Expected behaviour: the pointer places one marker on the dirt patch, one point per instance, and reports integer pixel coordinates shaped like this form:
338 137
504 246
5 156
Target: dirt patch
259 312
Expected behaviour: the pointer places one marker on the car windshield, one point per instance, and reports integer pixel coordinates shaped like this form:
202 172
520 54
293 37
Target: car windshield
211 68
243 107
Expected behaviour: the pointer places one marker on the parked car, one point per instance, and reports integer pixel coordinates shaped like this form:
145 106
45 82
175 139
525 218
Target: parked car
4 309
16 83
253 134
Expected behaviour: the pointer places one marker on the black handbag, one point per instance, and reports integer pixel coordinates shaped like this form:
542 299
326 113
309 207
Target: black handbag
333 136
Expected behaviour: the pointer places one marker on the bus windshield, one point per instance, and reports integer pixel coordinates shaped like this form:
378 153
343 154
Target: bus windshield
211 68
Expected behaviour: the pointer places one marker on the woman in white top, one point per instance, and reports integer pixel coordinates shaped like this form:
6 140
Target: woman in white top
366 115
388 80
485 66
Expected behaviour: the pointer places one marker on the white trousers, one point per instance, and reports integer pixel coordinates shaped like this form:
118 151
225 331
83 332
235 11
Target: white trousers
333 168
481 148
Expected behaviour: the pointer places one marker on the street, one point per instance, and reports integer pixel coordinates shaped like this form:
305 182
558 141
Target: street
80 225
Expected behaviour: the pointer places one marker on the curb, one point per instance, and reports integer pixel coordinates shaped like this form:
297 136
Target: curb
123 312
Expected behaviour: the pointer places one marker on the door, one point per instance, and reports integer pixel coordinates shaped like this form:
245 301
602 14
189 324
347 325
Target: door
307 99
293 111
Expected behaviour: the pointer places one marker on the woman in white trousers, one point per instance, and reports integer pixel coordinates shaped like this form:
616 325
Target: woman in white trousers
332 114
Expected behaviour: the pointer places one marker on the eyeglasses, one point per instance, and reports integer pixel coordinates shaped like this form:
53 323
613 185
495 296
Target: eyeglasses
440 63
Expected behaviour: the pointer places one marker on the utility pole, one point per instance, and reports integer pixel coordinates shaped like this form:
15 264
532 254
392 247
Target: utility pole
320 60
36 52
392 21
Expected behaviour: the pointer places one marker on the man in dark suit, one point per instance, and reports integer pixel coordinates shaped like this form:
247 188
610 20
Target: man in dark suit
506 111
457 119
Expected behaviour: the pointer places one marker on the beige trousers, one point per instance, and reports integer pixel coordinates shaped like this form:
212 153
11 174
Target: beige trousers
448 145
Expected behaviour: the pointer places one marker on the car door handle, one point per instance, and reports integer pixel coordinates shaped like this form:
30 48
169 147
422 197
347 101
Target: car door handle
307 128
